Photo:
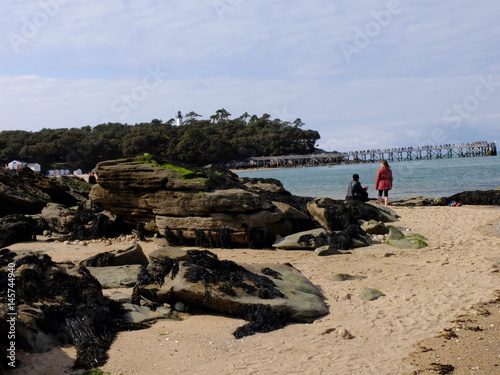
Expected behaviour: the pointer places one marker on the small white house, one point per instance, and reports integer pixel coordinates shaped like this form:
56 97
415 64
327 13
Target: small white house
17 164
35 167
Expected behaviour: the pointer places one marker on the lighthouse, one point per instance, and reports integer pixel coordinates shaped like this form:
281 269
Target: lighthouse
178 120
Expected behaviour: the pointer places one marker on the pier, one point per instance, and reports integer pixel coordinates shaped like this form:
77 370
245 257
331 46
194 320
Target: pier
473 149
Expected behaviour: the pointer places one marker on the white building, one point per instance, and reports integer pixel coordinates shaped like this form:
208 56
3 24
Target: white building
35 167
17 164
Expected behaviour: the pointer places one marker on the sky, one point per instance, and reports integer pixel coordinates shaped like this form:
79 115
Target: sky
364 74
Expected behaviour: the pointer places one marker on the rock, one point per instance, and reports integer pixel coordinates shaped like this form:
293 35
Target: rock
344 334
370 294
308 240
199 278
197 207
143 314
326 251
334 215
86 222
477 197
346 276
116 276
312 239
131 255
413 241
60 304
59 218
395 233
27 192
18 228
415 201
374 227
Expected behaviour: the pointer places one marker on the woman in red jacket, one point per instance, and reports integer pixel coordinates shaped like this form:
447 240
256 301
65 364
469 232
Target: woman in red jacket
383 182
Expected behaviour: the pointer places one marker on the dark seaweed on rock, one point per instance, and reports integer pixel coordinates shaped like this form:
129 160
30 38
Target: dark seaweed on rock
99 260
153 276
269 272
226 275
66 302
261 318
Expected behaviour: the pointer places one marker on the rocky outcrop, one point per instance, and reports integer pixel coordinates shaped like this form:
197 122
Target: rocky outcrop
26 192
19 228
87 221
58 304
199 207
209 208
476 197
335 215
198 278
348 238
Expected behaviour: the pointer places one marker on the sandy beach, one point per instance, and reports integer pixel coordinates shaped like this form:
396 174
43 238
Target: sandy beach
425 291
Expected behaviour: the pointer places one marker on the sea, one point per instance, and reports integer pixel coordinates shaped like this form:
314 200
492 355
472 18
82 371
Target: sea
430 178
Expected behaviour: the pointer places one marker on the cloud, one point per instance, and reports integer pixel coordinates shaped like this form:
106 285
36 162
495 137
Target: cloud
86 62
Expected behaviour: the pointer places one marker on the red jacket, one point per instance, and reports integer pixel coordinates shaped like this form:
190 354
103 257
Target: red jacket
383 181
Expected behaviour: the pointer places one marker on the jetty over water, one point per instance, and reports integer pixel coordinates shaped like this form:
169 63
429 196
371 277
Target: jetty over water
472 149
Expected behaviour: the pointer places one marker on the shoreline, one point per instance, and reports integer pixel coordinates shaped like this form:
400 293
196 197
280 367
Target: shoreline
424 291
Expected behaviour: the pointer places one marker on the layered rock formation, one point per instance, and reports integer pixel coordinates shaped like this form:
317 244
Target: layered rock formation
202 208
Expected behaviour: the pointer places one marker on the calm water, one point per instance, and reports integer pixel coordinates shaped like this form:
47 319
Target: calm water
431 178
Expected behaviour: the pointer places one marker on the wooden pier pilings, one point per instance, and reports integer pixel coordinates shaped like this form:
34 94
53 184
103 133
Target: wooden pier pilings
472 149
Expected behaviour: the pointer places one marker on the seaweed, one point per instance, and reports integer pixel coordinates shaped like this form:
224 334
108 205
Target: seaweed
261 318
99 260
70 307
226 275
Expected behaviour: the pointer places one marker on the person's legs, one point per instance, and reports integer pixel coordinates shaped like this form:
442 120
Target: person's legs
386 197
379 199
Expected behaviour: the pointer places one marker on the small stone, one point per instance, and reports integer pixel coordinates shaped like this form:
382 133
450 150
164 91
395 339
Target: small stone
179 306
371 294
344 334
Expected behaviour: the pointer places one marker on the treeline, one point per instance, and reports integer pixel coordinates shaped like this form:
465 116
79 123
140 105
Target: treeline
197 141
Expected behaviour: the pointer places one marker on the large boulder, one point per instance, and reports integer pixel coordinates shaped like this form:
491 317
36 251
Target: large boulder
199 207
19 228
348 238
199 278
87 221
334 215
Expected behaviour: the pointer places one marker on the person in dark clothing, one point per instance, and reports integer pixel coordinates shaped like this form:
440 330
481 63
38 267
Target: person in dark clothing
355 191
92 179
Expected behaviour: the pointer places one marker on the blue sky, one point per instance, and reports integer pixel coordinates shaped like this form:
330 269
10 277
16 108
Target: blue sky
364 74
